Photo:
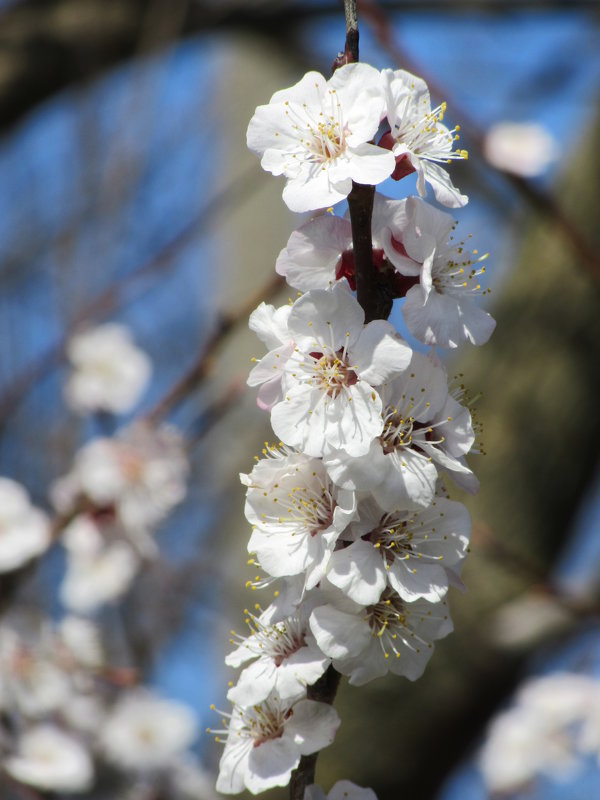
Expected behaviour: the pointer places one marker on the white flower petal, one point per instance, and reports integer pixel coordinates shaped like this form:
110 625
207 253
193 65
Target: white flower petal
271 764
338 633
359 572
379 353
312 726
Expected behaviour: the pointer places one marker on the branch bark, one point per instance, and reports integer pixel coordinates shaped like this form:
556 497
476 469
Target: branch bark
324 691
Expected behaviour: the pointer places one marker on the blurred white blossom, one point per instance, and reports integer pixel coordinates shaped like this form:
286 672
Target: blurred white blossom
48 758
546 732
523 148
98 570
141 473
24 530
109 372
147 732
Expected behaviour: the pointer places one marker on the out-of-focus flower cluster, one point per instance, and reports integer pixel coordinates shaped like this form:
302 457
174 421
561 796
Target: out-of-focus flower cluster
553 725
66 711
68 716
116 494
349 512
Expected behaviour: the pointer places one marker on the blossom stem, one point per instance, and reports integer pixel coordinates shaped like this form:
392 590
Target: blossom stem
324 691
351 30
372 300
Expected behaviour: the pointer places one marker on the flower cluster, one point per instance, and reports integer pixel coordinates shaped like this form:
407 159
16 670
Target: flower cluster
68 717
349 512
66 711
550 730
118 491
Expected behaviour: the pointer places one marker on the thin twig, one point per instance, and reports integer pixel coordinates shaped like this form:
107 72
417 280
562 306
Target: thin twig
109 300
225 323
216 411
351 30
323 691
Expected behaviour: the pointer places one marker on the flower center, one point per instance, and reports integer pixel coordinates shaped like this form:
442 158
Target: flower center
303 502
397 432
421 130
131 462
314 511
456 272
262 723
327 140
333 372
392 538
278 641
387 614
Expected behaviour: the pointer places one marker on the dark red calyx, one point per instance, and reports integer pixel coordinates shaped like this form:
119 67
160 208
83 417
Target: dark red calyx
345 268
399 247
403 168
403 165
402 283
104 515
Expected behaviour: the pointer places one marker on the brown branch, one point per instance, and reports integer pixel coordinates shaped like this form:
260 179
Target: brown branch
360 204
323 691
351 29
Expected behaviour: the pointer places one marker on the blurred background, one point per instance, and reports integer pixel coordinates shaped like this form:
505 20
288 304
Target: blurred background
127 195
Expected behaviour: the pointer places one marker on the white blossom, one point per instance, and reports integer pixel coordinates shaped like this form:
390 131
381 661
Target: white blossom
329 395
321 251
270 325
532 617
146 732
523 148
24 530
141 472
80 639
546 732
99 570
297 514
424 430
51 759
265 742
417 137
110 373
409 551
286 659
561 697
33 681
317 133
442 309
367 642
